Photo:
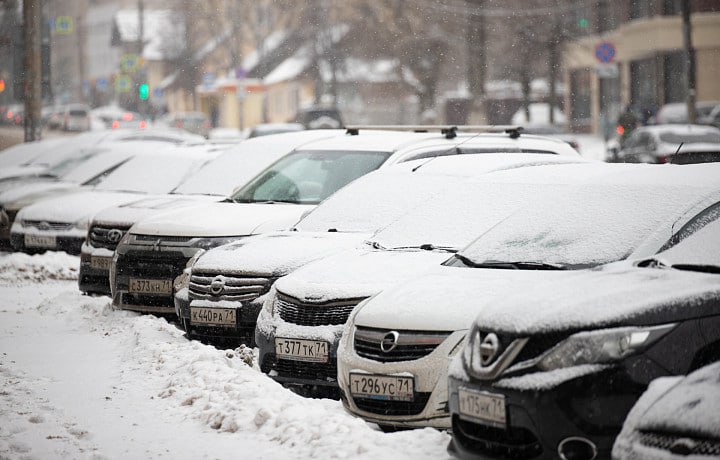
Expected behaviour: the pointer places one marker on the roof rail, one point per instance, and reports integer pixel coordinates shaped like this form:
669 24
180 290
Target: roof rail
449 131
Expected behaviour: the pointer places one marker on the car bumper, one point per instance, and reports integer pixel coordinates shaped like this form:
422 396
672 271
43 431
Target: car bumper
6 220
146 262
242 331
294 372
92 277
430 404
68 242
592 407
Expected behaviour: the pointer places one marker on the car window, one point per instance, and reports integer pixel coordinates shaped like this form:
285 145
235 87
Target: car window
690 138
308 177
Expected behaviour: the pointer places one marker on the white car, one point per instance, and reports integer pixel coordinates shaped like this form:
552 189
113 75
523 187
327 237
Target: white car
214 182
681 144
62 223
221 296
310 306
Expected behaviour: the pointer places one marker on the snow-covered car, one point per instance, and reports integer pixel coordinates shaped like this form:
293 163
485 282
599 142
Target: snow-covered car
551 368
223 293
214 182
275 200
265 129
545 205
62 223
91 168
76 118
681 144
677 418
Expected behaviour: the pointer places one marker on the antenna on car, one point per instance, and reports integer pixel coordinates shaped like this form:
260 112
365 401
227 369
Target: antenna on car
449 131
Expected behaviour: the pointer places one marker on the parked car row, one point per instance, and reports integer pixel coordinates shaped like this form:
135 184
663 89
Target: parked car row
490 283
670 143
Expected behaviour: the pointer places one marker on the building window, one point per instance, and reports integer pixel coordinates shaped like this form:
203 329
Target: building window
606 18
672 7
675 77
644 84
642 9
580 97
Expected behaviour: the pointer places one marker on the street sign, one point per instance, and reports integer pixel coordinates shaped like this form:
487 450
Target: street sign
64 25
605 52
101 84
129 62
123 84
609 70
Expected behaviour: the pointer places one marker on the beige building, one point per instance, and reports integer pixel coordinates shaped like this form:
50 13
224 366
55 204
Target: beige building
643 42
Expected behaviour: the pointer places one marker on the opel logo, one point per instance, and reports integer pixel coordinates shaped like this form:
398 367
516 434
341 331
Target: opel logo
114 235
43 226
489 348
389 342
217 286
683 446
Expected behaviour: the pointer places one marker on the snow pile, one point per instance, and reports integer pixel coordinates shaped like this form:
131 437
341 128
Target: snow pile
19 267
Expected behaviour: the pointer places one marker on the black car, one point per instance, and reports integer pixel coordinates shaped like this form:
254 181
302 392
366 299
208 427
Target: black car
553 369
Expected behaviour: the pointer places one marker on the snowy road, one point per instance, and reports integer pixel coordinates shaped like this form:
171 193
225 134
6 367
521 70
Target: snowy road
80 380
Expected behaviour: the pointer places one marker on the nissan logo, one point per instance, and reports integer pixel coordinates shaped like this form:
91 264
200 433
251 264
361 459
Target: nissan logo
489 348
114 235
389 342
217 286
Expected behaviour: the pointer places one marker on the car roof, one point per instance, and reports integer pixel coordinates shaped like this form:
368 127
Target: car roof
679 128
370 141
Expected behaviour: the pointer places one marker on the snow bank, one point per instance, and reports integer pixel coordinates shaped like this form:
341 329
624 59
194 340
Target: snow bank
18 267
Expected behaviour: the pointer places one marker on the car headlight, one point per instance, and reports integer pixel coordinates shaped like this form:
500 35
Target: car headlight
83 224
269 304
209 243
602 346
183 280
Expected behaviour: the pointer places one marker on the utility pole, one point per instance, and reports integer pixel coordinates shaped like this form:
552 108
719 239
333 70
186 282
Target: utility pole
140 72
476 65
690 56
32 86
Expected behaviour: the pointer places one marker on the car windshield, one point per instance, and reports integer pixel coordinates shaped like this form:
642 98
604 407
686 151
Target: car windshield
700 248
308 177
151 173
690 138
575 226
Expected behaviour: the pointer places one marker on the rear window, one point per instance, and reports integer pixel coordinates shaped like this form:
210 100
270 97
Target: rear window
77 113
690 138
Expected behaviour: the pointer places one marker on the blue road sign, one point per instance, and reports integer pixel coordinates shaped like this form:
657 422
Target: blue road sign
605 52
101 84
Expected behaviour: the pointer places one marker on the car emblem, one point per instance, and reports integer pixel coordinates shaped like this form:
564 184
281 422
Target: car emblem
114 235
43 226
217 286
683 446
489 348
389 342
311 298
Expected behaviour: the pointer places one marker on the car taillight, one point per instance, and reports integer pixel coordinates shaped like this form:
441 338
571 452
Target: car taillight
207 124
127 116
662 159
620 130
143 124
115 124
9 115
179 124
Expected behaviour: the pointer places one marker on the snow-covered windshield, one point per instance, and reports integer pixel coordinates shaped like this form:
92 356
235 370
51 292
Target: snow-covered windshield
25 153
579 225
308 177
700 247
151 173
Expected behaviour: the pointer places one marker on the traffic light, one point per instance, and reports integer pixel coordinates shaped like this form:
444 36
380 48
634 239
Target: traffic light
2 85
143 91
583 23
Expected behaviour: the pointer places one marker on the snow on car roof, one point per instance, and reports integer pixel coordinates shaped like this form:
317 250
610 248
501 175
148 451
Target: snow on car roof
370 141
26 152
238 164
377 199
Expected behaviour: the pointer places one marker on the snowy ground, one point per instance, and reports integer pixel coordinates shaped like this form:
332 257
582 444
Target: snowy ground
80 380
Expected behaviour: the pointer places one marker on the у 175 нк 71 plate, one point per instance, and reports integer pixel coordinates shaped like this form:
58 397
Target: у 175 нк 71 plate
142 286
315 351
389 387
484 407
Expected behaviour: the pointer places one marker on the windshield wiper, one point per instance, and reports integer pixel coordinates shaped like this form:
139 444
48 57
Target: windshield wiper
518 265
697 268
427 247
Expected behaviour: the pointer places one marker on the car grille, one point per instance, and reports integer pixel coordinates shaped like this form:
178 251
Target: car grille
681 445
385 407
321 372
164 239
512 442
165 264
410 345
100 236
238 288
305 314
44 225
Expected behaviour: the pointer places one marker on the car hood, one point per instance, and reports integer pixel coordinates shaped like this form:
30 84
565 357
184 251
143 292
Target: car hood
618 294
14 172
74 207
220 219
30 193
9 184
428 302
127 214
689 408
277 253
356 274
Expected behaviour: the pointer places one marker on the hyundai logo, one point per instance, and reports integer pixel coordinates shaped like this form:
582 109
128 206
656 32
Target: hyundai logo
389 342
217 286
43 226
114 235
489 348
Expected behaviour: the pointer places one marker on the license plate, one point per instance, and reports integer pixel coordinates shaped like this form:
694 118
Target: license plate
40 241
141 286
213 316
483 406
387 387
315 351
100 263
